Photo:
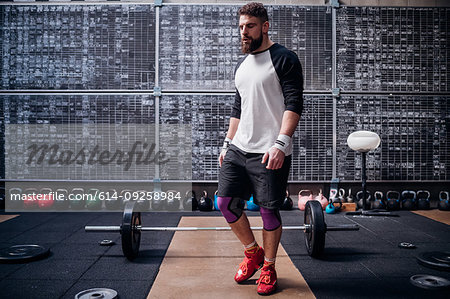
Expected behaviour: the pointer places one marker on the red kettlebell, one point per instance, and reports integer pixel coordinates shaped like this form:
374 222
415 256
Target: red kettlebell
30 200
46 199
322 199
303 197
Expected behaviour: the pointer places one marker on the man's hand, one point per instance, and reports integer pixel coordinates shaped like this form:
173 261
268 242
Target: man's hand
276 158
223 152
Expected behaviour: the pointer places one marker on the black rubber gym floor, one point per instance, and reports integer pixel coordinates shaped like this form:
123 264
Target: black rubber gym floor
355 264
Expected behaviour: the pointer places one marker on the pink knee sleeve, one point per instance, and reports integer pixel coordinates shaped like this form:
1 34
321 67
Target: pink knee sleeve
271 218
229 208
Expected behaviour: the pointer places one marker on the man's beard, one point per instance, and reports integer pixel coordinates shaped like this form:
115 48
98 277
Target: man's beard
254 44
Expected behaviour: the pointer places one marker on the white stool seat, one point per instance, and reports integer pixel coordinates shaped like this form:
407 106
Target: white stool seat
363 141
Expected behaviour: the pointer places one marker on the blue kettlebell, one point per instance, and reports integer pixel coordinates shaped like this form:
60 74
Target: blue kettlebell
423 200
216 207
330 209
393 200
251 206
444 201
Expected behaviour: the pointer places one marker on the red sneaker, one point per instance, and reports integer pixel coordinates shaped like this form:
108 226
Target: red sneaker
267 282
251 263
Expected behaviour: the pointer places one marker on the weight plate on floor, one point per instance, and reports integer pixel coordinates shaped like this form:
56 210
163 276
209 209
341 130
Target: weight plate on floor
406 245
131 237
97 293
435 259
315 233
23 253
107 243
429 282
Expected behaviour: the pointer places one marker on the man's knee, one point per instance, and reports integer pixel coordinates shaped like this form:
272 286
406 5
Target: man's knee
229 208
271 218
222 202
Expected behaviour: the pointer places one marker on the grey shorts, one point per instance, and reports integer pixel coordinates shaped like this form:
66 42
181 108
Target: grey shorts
243 174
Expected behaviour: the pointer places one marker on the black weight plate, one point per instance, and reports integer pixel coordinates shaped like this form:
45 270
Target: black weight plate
429 282
131 237
23 254
435 259
315 234
97 293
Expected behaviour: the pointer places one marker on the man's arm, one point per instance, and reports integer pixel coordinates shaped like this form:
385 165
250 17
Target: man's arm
289 123
234 123
232 128
288 126
289 70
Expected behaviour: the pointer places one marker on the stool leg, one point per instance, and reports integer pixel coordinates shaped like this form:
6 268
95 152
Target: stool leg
364 178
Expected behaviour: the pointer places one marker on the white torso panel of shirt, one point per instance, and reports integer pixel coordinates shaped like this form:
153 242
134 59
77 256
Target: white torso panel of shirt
262 104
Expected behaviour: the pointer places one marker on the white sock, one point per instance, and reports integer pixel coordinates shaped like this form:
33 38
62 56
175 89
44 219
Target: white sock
267 260
250 245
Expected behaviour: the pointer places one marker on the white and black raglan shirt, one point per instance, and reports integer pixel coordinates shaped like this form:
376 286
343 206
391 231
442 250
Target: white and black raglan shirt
267 84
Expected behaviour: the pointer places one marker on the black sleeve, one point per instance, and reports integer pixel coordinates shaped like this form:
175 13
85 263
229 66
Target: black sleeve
236 112
290 73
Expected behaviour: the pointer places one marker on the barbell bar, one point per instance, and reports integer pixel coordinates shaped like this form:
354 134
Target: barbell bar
314 228
117 229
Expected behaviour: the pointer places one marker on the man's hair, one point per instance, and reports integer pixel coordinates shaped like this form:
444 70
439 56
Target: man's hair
254 9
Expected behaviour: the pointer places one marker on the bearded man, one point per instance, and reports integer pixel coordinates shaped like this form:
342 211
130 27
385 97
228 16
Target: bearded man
256 154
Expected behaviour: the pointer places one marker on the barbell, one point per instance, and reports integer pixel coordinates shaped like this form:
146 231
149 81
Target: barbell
314 229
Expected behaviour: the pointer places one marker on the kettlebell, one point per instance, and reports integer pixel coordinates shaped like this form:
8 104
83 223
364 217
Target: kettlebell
17 204
349 196
94 202
333 194
287 202
62 202
342 197
205 203
31 201
126 195
330 209
378 203
393 200
337 206
251 206
359 198
46 203
408 200
143 204
337 201
423 200
190 201
173 201
303 197
76 203
158 201
444 201
322 199
112 201
216 207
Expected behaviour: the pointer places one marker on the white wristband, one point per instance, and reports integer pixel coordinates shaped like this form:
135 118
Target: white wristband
282 142
226 143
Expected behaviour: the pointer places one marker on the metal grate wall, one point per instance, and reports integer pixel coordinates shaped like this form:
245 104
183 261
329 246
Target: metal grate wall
378 68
